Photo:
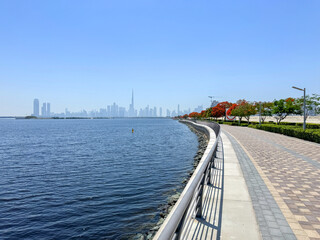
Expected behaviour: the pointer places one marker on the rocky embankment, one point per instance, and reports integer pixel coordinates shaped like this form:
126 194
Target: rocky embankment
166 208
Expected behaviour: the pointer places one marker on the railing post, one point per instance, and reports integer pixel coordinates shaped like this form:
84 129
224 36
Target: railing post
199 204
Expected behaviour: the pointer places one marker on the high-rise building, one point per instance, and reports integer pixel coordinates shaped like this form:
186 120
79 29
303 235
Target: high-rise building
178 109
160 112
44 110
154 112
36 107
48 110
132 111
114 110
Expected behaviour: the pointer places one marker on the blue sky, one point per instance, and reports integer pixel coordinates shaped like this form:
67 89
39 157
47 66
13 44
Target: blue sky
89 54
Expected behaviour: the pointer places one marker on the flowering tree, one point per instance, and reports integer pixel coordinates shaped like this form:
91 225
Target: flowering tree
224 106
283 107
203 114
217 111
229 112
194 115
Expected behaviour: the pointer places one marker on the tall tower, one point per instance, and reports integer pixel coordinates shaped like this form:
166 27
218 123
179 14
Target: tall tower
36 107
131 107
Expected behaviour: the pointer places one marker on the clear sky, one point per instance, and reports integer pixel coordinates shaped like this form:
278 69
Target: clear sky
89 54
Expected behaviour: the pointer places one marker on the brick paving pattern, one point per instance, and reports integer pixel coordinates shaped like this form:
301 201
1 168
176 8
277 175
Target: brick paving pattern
290 168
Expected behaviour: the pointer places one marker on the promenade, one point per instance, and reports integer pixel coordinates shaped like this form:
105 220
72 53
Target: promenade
266 186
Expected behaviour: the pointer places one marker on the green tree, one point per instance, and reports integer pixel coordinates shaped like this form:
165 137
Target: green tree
244 109
283 107
266 110
312 104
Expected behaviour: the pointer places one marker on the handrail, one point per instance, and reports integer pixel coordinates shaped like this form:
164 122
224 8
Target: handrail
190 200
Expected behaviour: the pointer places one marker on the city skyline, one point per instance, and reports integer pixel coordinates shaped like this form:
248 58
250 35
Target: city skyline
113 110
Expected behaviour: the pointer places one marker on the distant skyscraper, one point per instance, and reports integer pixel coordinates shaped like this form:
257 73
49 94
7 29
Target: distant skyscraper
178 109
154 112
131 112
44 110
36 107
48 110
160 112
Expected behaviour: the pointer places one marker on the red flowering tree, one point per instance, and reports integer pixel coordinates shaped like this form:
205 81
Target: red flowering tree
217 111
203 114
194 115
233 106
224 106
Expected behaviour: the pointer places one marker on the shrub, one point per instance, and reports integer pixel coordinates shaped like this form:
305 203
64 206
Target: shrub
293 131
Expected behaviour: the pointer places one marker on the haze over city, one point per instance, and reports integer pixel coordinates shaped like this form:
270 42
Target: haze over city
88 55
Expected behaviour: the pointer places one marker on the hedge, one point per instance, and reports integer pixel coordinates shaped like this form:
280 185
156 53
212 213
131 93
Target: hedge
293 131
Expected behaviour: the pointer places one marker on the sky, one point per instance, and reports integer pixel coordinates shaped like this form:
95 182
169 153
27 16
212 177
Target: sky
88 54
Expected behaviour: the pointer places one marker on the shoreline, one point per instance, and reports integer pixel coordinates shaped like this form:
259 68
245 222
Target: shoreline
166 208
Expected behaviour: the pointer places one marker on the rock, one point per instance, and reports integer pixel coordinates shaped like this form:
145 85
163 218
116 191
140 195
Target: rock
139 236
160 221
175 197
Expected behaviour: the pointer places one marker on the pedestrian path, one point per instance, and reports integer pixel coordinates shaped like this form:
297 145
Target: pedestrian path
282 175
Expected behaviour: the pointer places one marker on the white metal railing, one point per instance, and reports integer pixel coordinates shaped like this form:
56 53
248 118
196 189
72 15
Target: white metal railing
189 205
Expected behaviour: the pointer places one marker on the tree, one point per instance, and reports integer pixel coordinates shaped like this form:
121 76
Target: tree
203 114
229 112
224 106
312 104
266 110
243 109
217 111
248 109
283 107
194 115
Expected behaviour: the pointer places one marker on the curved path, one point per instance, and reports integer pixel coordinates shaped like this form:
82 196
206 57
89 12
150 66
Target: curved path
283 179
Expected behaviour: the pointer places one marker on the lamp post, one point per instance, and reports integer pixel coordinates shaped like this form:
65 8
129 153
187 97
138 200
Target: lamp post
211 100
260 113
304 106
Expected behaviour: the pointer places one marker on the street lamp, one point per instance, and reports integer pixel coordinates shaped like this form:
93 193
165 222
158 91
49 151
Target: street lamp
304 106
260 113
211 100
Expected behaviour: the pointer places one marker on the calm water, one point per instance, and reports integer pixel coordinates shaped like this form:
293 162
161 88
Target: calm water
88 179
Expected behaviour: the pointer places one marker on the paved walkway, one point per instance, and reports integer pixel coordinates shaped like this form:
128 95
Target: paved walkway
227 208
283 179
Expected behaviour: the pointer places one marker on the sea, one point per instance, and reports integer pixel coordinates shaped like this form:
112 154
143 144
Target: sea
89 178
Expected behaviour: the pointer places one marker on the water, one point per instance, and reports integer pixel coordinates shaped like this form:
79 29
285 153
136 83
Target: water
88 179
